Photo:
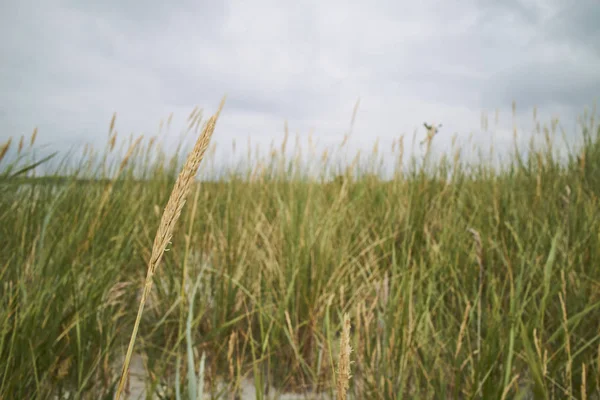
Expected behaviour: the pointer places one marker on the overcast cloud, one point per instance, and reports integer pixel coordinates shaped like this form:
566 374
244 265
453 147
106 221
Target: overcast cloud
68 65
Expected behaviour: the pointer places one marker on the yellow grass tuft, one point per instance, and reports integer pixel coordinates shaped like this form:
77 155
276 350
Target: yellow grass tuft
165 230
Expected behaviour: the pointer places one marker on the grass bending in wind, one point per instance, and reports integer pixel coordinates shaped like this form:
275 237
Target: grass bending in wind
461 281
167 224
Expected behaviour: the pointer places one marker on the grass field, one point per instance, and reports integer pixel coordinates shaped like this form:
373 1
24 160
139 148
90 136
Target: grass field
459 282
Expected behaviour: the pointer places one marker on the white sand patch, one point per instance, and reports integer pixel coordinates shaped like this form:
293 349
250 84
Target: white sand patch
138 379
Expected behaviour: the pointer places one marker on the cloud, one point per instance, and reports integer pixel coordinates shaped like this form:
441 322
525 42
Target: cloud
69 65
557 62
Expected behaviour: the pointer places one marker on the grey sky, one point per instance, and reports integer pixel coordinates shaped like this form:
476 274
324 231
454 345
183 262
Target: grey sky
68 65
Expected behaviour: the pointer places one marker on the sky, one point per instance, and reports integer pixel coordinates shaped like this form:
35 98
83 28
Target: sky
67 66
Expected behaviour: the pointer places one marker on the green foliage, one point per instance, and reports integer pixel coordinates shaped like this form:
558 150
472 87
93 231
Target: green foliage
484 285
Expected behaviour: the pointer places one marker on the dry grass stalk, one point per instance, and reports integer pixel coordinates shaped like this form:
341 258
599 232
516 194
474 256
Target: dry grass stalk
344 361
150 145
463 327
111 127
512 383
569 370
33 136
165 230
4 148
583 383
230 362
543 356
481 265
112 141
354 112
129 154
285 137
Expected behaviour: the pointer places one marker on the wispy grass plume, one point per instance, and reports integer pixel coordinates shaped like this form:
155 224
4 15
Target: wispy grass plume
167 224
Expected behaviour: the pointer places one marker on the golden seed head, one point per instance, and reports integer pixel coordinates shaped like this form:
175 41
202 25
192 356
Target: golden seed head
33 136
4 148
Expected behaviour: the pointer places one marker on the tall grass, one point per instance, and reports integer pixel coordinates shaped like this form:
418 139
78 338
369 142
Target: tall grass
461 282
168 220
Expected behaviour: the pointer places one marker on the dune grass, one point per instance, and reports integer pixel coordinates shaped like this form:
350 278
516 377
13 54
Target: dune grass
460 282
